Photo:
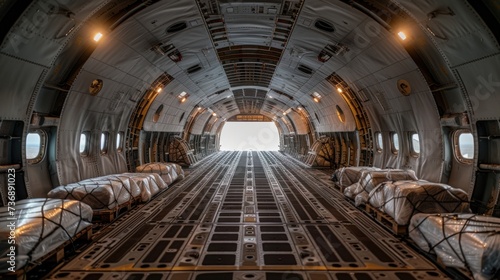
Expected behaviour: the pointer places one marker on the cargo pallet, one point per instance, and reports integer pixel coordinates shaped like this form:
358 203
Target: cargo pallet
53 258
109 215
386 220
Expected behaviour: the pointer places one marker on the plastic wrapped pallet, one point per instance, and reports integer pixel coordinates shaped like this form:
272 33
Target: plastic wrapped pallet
178 170
130 186
370 179
361 199
169 172
402 199
149 183
42 225
460 240
347 176
98 195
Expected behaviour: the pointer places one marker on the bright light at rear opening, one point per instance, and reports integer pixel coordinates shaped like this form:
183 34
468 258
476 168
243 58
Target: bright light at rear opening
243 136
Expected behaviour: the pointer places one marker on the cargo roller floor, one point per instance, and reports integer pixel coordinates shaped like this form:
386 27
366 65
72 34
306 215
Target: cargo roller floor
249 215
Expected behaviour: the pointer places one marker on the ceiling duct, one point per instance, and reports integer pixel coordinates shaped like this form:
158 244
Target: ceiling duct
176 27
194 69
304 69
324 25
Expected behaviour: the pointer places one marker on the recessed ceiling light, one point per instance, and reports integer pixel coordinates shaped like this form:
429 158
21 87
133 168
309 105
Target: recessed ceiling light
214 114
159 89
402 35
98 36
339 89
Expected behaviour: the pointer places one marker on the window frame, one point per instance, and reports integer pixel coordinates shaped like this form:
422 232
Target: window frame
456 146
413 152
86 148
379 145
395 150
104 147
41 149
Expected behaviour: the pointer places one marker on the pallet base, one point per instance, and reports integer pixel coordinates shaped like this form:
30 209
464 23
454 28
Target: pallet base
53 258
109 215
386 220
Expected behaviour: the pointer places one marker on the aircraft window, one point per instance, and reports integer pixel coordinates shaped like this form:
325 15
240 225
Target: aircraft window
35 143
395 143
465 145
340 114
119 145
84 143
415 144
379 141
104 142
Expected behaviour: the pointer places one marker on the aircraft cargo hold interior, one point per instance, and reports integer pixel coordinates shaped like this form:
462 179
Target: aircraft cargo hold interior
129 147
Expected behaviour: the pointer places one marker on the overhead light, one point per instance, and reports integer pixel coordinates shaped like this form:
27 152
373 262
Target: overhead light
169 50
175 56
159 89
214 114
337 49
199 108
316 97
339 89
183 96
402 35
284 113
324 56
299 108
98 36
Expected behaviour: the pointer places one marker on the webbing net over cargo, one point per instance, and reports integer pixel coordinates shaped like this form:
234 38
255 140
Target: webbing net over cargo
402 199
466 241
41 225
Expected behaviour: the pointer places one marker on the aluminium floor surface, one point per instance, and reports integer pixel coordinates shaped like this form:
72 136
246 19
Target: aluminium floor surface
248 215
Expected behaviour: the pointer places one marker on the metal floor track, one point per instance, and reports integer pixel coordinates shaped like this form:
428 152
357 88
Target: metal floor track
248 215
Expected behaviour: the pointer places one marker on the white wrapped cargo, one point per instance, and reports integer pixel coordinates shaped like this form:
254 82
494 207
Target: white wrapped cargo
169 172
98 195
361 199
347 176
465 241
370 179
41 226
149 183
130 186
402 199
